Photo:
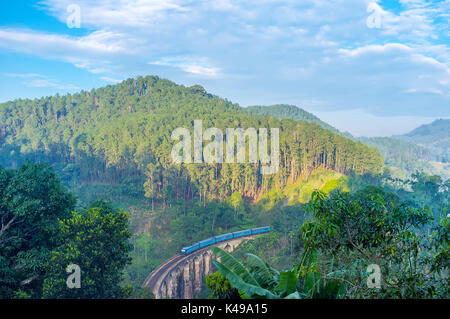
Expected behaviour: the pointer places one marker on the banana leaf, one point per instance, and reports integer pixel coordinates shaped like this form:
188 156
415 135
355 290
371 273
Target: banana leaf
234 265
288 283
252 291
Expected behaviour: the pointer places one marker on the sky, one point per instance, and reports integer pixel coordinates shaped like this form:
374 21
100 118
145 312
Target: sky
372 68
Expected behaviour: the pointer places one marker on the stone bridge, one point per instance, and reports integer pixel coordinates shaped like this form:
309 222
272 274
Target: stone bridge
181 277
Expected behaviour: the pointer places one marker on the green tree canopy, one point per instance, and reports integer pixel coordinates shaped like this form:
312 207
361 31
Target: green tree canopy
32 200
97 241
374 227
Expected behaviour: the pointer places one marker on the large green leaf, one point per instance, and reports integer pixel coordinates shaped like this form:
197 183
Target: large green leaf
288 282
261 271
252 291
311 283
294 295
234 265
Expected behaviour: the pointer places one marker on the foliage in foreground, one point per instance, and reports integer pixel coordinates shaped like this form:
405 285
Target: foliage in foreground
255 279
97 241
345 234
31 201
373 227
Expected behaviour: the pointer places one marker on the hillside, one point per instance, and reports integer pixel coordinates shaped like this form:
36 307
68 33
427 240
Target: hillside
286 111
115 143
404 157
420 150
120 135
434 136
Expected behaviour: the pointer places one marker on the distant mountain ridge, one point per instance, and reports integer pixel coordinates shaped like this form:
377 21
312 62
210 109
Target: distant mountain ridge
287 111
121 136
403 157
434 136
425 148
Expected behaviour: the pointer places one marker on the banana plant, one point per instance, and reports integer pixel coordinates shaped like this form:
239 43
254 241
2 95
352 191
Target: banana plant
317 285
257 279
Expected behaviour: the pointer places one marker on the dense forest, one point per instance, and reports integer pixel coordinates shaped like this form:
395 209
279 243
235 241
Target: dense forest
404 157
423 149
285 111
121 133
114 143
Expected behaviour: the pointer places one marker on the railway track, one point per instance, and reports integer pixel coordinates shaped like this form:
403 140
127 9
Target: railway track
158 273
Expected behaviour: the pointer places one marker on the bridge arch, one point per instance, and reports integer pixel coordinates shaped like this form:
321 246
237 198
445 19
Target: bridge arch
181 277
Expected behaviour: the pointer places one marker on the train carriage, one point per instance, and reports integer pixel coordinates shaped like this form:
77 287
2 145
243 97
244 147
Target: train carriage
212 240
224 237
260 230
207 242
242 233
189 249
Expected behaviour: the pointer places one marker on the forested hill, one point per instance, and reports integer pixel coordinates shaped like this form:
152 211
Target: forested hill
406 154
434 136
285 111
120 134
400 155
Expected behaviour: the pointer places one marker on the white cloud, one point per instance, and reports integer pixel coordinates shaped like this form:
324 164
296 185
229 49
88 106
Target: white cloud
376 49
98 42
113 14
402 67
41 81
424 90
23 75
93 52
266 50
194 66
45 83
110 80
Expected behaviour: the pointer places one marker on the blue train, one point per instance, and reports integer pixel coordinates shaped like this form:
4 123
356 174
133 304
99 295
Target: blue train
217 239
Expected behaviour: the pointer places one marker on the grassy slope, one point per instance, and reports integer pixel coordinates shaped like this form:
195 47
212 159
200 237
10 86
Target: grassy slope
300 192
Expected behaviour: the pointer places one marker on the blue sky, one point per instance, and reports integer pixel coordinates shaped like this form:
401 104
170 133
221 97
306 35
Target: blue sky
372 68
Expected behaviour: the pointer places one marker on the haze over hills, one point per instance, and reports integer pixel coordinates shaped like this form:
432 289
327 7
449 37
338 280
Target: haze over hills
114 143
141 187
425 148
434 136
121 135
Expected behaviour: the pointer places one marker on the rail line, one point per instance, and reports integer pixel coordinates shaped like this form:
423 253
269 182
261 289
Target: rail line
159 274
